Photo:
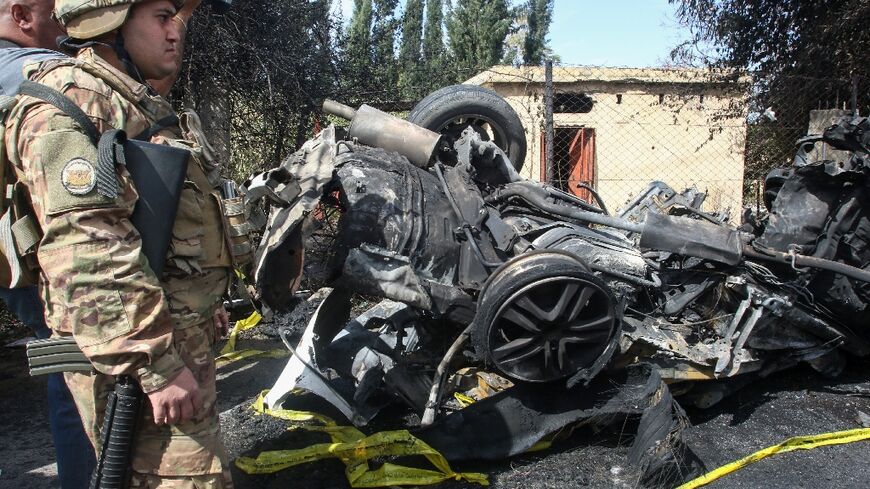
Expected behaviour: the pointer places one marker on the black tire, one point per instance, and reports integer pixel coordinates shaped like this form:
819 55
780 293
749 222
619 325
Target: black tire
543 317
451 109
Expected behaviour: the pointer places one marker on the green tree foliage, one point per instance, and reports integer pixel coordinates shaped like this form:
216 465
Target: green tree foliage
356 51
781 37
258 75
359 34
257 82
433 37
369 67
784 43
539 14
477 30
411 64
803 55
384 43
372 71
435 71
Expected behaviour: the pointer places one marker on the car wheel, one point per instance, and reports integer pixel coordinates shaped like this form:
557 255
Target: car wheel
543 317
451 110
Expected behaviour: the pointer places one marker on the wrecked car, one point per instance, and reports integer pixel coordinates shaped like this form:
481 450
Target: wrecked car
545 308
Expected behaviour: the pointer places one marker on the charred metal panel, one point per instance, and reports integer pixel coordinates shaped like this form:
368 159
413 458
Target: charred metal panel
801 210
691 237
660 198
451 303
512 422
393 205
610 251
688 286
379 201
294 189
386 274
543 287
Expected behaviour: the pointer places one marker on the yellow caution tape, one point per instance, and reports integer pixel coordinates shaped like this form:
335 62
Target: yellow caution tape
355 449
229 354
235 356
795 443
241 325
463 399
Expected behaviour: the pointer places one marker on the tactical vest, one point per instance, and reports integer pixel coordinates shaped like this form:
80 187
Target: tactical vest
202 236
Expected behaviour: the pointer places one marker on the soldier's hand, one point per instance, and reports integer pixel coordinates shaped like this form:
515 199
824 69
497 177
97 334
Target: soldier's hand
177 401
221 322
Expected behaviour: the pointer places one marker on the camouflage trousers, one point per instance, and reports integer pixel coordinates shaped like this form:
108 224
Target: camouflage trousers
148 481
186 455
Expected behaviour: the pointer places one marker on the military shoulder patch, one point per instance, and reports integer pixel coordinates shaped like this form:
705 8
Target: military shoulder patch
78 176
67 159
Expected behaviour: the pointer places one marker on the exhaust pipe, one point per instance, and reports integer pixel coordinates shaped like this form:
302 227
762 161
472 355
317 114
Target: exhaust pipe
373 127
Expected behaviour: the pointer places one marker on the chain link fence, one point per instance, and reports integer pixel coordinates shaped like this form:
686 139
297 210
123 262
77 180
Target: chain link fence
615 130
612 131
794 107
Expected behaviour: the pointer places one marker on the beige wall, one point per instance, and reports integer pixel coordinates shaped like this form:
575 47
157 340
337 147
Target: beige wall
680 140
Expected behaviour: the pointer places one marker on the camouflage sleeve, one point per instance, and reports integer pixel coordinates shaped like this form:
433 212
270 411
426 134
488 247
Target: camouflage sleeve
95 279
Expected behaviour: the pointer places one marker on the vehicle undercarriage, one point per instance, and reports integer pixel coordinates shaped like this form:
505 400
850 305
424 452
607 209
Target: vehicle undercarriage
542 310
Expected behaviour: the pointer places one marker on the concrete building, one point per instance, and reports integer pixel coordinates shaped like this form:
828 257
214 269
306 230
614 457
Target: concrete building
617 129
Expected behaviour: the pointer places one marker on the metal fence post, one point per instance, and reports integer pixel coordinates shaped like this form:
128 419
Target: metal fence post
548 119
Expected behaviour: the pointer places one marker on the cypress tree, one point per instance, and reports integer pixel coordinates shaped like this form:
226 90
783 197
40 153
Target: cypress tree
477 30
539 16
409 54
359 32
356 67
433 38
383 42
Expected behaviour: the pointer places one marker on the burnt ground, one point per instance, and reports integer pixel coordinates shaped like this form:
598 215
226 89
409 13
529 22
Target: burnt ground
792 403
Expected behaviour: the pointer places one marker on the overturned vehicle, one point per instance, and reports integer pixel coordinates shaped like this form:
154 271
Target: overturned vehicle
545 308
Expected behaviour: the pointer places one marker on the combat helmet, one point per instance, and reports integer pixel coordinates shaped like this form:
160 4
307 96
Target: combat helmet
88 19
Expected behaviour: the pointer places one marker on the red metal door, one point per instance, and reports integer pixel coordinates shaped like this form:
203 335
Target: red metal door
581 161
573 159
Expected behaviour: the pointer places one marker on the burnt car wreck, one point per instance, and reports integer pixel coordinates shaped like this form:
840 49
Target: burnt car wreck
547 309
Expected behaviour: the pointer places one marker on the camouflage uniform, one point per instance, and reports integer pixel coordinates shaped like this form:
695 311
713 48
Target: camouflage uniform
94 280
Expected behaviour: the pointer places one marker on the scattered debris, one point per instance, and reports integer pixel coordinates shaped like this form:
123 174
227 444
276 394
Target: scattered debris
355 450
482 268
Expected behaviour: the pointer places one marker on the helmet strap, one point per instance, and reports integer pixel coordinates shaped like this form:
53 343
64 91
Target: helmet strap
126 60
70 44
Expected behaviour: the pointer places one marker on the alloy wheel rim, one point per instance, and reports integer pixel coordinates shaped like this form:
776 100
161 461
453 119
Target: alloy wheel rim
551 328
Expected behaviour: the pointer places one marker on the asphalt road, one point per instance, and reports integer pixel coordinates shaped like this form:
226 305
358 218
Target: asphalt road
797 402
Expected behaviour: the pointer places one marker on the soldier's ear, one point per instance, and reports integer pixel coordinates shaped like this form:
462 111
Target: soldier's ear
22 16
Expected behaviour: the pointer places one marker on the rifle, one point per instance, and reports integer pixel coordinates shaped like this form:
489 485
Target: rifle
116 437
122 409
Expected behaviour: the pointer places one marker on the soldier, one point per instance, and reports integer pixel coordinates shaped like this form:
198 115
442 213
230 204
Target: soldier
95 282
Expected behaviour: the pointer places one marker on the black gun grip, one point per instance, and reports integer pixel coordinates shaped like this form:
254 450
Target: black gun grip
116 438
